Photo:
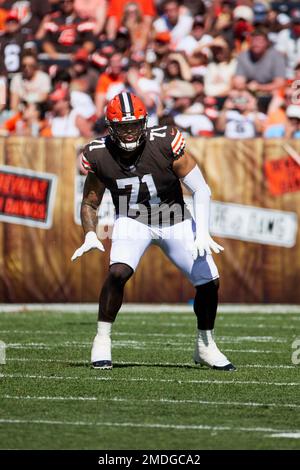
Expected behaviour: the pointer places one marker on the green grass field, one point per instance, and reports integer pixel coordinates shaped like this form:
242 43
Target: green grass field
155 397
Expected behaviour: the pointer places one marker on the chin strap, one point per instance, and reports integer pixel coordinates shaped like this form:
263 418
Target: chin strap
124 145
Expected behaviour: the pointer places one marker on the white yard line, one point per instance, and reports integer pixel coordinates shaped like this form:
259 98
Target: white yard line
136 345
160 400
148 380
183 427
151 308
156 364
38 332
221 324
229 339
174 335
27 397
289 435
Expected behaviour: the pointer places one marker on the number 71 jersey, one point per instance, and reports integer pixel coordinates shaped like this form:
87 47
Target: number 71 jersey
146 188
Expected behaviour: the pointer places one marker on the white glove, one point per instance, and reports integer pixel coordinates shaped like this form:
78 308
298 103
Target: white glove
91 242
204 244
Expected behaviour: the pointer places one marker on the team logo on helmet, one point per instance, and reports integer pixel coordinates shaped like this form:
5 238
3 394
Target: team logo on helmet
126 118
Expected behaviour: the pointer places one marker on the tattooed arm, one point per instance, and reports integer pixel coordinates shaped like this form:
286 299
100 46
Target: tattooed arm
92 196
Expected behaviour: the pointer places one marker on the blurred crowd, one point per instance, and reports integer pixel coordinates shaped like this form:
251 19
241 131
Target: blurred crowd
211 67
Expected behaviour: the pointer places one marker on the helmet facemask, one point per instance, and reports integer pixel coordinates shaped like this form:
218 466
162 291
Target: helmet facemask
128 135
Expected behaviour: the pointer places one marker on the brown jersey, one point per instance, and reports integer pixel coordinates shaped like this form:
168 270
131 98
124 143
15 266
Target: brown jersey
145 188
11 49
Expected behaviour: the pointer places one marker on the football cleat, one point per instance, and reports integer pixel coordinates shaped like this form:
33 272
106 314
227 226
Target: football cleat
102 365
101 353
229 367
207 353
126 120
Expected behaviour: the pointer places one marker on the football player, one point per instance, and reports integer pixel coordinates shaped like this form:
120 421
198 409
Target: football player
143 169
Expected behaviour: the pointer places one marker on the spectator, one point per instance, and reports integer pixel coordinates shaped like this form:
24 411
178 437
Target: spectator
220 20
80 100
158 53
114 75
84 105
289 127
242 27
261 69
197 38
277 115
116 11
142 82
11 46
190 43
30 14
65 33
198 83
100 58
65 121
31 85
234 24
187 116
220 71
132 20
94 10
84 78
210 108
176 68
275 24
198 61
292 128
239 119
178 24
288 43
123 43
261 11
29 121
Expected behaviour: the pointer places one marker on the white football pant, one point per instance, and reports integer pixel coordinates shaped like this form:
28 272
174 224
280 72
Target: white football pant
131 238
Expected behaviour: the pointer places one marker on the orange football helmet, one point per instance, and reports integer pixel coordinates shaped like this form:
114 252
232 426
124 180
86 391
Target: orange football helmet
126 119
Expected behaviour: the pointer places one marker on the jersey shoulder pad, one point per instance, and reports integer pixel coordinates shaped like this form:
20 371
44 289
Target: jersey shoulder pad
91 153
169 140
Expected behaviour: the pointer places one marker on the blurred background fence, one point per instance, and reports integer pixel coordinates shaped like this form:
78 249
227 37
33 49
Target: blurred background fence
261 261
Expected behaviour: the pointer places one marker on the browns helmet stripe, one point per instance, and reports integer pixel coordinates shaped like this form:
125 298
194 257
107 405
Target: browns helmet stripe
126 103
122 103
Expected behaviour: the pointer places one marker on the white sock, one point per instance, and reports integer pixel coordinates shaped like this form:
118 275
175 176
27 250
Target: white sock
104 328
206 344
101 350
206 337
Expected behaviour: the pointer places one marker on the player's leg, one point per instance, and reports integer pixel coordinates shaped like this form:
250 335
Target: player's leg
129 241
205 308
111 296
110 302
203 274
